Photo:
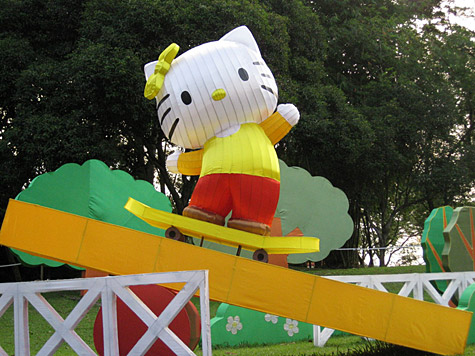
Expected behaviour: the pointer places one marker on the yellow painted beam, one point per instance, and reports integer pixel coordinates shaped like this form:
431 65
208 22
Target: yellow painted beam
271 289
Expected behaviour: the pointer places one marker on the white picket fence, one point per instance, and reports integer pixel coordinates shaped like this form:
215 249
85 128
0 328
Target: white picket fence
107 289
21 295
413 286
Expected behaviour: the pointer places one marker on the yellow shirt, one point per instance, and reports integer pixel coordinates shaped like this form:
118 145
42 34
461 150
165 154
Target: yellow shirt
258 139
248 151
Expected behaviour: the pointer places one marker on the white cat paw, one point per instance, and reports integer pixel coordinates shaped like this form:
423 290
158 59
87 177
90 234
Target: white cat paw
289 112
172 162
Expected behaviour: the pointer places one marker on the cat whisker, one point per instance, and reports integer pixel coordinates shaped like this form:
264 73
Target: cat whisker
268 89
172 130
164 115
162 100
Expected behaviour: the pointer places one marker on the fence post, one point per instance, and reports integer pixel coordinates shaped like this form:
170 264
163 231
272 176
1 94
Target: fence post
22 333
205 319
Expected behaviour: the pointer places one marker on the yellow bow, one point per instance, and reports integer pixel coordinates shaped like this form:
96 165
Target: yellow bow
155 81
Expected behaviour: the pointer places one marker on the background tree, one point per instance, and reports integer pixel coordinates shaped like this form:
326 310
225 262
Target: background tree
408 113
387 105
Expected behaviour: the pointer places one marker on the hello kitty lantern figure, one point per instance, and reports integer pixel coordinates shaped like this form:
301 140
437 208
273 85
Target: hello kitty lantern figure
219 98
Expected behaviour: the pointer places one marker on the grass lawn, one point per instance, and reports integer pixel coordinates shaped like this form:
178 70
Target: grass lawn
64 302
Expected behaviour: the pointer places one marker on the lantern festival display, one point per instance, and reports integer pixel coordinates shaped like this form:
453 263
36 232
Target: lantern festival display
219 101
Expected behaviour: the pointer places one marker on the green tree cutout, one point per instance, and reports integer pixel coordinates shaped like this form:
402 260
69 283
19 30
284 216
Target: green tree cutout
459 235
467 302
433 242
316 207
94 191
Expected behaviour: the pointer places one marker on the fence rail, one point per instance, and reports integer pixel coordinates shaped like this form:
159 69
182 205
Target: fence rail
107 289
412 285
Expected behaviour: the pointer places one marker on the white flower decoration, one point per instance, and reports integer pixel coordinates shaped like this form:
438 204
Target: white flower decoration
291 326
271 318
234 324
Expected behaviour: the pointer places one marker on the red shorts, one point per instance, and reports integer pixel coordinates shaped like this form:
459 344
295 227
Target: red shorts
250 197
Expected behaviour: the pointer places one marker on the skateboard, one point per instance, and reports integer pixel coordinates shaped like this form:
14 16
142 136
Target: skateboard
177 226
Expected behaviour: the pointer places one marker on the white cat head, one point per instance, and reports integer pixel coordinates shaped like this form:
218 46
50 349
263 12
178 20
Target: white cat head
213 87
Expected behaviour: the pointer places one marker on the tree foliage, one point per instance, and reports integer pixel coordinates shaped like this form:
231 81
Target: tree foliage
411 132
385 90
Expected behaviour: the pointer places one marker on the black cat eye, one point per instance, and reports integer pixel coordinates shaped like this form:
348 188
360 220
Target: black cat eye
186 98
243 74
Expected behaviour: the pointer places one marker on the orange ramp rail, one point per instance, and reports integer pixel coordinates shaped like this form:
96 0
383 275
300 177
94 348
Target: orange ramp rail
234 280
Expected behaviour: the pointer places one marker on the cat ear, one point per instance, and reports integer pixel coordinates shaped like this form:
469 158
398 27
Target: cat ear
243 36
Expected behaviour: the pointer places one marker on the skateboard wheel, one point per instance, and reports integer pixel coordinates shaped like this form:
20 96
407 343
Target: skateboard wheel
174 234
261 256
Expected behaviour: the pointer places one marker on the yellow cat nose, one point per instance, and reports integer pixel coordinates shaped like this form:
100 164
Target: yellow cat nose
218 94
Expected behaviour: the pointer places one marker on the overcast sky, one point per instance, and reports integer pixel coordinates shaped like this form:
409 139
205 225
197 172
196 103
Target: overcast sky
469 23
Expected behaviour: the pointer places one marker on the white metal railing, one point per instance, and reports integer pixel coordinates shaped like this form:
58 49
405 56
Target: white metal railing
107 289
414 284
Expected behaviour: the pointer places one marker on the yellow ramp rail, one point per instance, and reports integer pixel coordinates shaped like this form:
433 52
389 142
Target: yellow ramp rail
117 250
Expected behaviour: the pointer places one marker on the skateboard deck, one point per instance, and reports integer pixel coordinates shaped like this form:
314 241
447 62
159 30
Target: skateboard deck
220 234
